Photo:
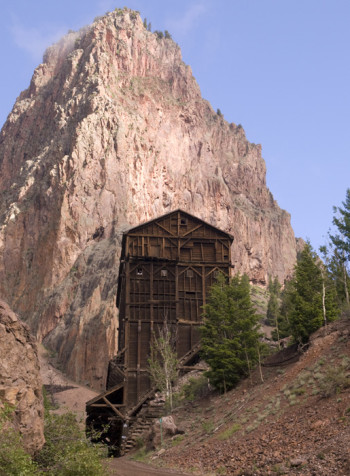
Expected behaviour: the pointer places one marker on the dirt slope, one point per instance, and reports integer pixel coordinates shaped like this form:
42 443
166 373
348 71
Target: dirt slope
296 422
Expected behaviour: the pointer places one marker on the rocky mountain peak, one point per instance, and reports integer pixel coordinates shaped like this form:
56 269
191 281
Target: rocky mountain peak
111 132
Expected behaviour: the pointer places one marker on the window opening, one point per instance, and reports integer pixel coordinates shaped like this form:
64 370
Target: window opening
139 272
189 273
183 221
164 272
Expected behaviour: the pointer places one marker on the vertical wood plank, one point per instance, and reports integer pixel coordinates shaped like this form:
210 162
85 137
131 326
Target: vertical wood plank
127 324
203 285
151 297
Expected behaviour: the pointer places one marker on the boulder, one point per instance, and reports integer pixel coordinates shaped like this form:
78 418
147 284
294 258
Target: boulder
164 427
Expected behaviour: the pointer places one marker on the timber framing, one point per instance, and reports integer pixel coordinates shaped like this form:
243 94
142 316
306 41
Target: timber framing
167 266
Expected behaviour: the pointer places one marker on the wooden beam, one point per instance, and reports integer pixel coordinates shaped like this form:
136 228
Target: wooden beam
147 395
185 242
104 405
163 228
193 229
115 409
139 330
107 392
190 368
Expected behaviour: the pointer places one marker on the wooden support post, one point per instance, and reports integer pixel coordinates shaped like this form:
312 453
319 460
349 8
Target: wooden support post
139 330
127 327
114 408
151 297
203 285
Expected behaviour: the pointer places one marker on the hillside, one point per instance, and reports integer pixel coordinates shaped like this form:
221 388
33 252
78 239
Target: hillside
296 422
113 131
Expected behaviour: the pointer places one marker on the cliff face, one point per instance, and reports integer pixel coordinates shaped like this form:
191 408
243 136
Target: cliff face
113 131
20 381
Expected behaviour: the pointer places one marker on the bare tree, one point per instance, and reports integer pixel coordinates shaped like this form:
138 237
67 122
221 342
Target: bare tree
163 362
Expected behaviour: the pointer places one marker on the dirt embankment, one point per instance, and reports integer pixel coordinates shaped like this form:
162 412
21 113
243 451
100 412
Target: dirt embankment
296 422
66 394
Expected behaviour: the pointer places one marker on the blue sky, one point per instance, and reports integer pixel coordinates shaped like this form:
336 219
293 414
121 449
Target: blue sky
279 67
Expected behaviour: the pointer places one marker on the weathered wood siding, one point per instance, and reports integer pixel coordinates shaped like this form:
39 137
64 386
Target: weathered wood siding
167 267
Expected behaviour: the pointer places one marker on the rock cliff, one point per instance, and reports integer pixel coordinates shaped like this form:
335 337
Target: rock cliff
113 131
20 381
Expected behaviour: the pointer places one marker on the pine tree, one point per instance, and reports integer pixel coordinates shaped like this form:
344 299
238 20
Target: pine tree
272 312
339 273
229 334
341 241
286 305
336 273
311 297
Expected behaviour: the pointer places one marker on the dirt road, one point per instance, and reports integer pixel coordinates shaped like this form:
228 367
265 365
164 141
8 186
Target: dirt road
125 467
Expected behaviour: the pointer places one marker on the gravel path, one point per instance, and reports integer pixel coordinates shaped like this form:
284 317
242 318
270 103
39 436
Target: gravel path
125 467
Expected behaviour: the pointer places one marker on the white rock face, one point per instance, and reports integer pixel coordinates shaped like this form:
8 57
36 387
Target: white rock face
112 132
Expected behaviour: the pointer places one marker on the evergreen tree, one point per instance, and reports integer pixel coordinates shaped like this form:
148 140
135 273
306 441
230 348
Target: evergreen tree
342 221
335 266
311 297
286 304
338 271
272 312
229 334
341 242
273 308
159 34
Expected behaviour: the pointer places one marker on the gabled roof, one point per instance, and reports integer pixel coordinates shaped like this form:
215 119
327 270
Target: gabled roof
184 213
125 233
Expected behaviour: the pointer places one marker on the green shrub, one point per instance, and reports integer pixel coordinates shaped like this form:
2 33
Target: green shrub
139 443
67 451
334 380
177 440
229 432
14 461
208 426
196 388
140 455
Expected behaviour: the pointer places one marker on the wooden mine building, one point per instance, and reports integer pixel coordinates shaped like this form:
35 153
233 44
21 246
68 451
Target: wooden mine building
167 266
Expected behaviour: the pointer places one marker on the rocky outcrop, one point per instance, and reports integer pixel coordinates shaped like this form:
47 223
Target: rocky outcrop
113 131
20 381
